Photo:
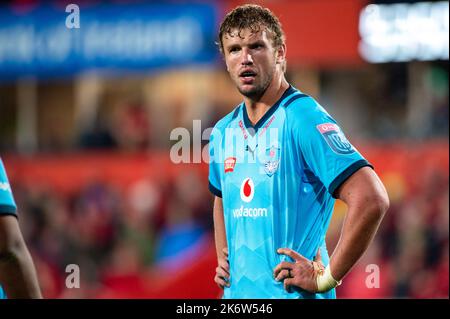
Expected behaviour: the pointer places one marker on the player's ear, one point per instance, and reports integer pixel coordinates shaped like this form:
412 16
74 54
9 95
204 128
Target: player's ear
281 54
226 64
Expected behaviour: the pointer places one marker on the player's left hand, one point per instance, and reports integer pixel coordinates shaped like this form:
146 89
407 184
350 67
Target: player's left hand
302 273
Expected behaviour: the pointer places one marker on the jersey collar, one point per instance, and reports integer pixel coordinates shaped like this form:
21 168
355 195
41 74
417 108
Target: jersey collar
253 129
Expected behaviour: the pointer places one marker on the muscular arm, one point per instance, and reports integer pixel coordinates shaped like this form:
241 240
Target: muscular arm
367 203
17 273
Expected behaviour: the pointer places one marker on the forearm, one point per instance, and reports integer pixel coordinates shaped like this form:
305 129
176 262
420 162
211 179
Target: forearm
358 231
219 228
17 274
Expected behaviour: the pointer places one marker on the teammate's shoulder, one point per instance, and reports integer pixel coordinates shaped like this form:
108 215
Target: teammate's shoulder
2 168
225 121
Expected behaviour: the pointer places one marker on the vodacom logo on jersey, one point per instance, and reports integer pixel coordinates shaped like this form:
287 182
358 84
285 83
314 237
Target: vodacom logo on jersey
247 190
247 193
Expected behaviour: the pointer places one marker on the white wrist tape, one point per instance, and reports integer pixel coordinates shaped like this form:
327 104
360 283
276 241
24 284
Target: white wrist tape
325 281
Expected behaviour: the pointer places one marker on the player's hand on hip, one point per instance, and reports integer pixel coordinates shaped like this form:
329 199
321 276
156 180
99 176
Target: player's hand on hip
301 273
222 277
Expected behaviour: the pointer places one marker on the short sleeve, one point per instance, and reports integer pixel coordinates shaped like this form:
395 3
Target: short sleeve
7 204
215 160
324 147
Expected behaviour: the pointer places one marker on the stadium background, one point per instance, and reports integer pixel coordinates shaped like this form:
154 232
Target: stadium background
86 116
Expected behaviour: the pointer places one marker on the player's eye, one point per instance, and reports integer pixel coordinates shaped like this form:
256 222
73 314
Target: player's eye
257 46
233 49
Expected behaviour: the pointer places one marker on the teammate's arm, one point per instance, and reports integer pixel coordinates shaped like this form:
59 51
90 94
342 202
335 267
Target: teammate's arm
223 270
367 202
17 273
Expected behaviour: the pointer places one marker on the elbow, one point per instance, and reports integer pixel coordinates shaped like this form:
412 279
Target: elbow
12 250
378 205
7 256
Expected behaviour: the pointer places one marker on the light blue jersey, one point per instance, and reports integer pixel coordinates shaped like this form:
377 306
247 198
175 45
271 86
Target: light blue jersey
7 204
277 181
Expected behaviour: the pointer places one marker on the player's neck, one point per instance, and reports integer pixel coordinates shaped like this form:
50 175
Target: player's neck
257 109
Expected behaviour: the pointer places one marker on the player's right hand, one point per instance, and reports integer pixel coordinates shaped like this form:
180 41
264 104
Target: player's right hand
222 277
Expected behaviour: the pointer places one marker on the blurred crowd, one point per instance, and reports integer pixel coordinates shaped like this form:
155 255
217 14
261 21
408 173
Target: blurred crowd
116 235
134 134
112 233
411 248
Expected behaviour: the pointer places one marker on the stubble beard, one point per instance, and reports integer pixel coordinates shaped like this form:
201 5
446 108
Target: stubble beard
257 91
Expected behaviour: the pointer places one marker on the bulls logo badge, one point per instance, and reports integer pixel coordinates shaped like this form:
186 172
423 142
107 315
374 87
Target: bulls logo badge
335 139
272 161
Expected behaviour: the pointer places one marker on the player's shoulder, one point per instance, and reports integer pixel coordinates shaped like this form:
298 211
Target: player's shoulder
304 108
226 121
301 103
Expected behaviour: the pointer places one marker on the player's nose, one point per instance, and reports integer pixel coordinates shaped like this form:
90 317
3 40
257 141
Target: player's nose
247 58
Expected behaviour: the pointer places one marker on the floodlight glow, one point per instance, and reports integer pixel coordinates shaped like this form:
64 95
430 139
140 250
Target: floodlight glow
404 32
